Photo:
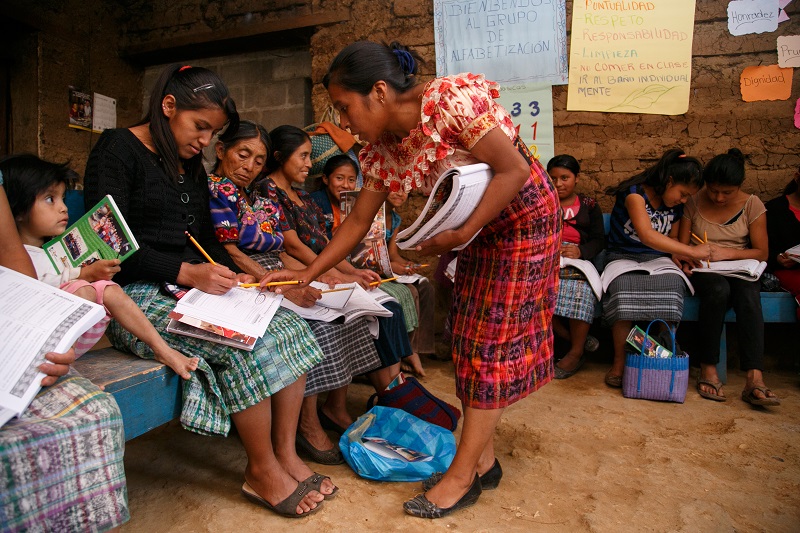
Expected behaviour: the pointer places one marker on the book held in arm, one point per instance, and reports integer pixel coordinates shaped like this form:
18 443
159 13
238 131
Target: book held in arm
794 253
748 269
454 197
101 233
588 270
36 319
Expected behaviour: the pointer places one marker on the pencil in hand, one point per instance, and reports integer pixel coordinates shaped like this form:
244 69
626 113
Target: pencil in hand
376 283
197 244
270 284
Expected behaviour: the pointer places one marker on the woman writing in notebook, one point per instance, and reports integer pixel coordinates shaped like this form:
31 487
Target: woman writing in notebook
506 278
734 224
644 226
154 172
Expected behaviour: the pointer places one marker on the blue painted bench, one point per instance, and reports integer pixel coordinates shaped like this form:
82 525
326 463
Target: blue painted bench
776 307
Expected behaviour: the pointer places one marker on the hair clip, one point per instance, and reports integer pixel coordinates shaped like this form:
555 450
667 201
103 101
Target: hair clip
184 68
406 60
205 87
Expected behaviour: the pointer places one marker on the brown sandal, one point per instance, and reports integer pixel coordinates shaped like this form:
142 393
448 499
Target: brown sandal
717 386
752 399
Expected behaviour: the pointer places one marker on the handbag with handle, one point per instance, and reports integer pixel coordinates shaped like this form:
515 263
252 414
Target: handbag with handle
656 378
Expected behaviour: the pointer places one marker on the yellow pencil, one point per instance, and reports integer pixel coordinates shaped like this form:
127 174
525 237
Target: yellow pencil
701 241
376 283
705 241
270 284
423 265
197 244
326 291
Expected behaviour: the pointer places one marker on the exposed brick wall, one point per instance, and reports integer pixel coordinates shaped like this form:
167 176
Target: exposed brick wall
271 87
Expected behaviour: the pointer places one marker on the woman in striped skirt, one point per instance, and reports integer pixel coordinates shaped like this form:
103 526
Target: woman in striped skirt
583 238
644 226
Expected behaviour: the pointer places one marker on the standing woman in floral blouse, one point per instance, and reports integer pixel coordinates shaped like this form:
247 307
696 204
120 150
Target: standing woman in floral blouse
505 286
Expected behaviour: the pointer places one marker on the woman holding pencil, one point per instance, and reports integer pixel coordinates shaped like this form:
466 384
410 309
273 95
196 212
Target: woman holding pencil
733 224
506 277
154 172
251 228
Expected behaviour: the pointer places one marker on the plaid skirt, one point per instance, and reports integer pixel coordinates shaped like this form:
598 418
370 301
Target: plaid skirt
641 296
228 380
503 300
348 348
403 295
61 462
575 300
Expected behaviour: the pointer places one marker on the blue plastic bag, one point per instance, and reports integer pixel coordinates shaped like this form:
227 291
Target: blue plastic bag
403 429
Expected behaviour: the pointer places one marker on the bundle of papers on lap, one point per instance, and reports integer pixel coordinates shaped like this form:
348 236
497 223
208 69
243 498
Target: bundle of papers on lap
748 269
36 319
240 314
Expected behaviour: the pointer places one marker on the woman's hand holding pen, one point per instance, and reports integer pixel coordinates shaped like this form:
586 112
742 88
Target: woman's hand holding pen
300 276
209 278
701 252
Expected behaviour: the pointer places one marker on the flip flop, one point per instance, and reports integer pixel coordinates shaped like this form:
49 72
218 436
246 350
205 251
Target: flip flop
752 399
287 507
717 386
314 482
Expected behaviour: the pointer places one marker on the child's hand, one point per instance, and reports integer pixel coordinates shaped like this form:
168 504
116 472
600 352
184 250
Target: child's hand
404 268
101 269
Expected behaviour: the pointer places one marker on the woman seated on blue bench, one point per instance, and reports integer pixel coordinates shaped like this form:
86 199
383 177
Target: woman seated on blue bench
783 228
583 237
644 226
733 223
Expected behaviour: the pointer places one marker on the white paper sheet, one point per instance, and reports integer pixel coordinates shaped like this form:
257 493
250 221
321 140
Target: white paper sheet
247 311
35 319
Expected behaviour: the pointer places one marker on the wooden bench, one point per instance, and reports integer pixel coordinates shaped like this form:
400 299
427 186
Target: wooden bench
776 307
148 393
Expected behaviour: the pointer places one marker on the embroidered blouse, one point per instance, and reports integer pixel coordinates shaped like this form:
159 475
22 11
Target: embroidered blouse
307 219
457 111
255 227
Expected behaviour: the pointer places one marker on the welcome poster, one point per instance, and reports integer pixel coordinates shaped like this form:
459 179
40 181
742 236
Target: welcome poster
631 57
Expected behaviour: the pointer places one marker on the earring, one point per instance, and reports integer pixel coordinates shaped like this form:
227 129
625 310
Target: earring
381 100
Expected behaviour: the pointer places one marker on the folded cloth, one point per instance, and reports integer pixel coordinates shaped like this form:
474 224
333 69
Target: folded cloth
413 398
342 138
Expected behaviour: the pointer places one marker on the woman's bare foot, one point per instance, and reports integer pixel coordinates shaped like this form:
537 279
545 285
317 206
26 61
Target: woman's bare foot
182 365
277 485
412 365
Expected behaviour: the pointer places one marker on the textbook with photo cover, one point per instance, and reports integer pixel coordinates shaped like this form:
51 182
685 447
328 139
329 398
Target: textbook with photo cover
454 197
181 324
371 253
101 233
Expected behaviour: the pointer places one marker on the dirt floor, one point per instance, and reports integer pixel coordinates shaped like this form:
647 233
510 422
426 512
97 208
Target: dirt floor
577 456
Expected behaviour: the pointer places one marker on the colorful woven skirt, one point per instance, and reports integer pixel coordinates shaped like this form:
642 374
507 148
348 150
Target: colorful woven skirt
61 462
228 380
576 299
505 293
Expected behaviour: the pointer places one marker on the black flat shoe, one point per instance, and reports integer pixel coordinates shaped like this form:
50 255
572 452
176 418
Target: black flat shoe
328 424
422 507
489 480
323 457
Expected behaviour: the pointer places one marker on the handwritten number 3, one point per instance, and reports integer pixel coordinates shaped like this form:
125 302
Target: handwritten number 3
516 109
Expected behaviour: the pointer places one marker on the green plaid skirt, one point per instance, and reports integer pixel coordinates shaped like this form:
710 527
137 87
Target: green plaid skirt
401 293
228 380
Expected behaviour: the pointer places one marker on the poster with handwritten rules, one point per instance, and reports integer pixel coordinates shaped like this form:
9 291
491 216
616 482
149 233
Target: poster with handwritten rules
508 41
630 56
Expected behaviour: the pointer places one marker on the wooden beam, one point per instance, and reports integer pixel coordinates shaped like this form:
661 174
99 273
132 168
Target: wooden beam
242 32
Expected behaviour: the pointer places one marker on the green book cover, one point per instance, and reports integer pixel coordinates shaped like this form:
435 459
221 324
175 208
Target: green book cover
101 233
